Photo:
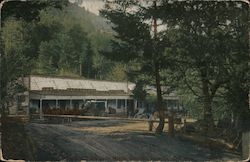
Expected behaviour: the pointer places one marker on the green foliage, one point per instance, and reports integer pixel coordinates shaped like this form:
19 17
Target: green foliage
201 46
71 44
16 49
117 73
206 45
200 49
191 104
139 93
29 10
64 39
134 43
88 70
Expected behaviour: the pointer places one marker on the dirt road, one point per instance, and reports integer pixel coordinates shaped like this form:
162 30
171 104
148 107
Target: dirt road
114 140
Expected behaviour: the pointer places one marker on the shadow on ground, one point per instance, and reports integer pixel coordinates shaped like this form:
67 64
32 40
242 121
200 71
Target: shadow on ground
105 140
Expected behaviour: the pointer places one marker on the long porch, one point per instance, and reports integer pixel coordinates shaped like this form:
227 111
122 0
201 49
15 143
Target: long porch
41 104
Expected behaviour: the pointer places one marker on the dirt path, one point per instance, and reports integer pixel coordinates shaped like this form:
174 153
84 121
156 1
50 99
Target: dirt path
114 140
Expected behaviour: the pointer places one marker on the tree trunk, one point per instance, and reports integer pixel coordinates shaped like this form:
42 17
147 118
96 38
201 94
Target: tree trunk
207 106
208 116
240 107
171 124
160 109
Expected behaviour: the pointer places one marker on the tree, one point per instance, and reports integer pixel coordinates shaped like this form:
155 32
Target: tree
65 35
15 62
66 45
134 42
117 73
237 89
139 93
29 10
88 69
15 42
80 41
204 45
65 52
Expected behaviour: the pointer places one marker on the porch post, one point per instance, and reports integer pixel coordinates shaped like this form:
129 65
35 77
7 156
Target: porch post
70 104
41 108
106 105
28 101
126 106
116 103
135 104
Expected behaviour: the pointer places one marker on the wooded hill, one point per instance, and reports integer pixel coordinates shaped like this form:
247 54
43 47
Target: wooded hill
61 41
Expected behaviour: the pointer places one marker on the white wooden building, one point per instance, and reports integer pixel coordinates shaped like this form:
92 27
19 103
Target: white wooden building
45 92
67 93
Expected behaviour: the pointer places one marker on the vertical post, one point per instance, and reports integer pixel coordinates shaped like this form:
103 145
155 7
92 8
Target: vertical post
127 82
82 106
28 107
70 104
116 103
56 103
126 106
80 71
106 106
150 123
28 103
135 106
41 108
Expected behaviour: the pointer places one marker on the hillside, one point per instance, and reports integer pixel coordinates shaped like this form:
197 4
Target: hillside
73 44
97 21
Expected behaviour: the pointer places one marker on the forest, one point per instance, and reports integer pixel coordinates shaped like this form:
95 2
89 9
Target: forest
60 41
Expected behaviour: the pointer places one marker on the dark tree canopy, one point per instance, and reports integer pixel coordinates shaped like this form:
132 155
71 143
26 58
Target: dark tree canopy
29 10
202 42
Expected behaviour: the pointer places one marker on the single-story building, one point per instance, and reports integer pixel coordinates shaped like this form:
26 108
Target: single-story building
68 93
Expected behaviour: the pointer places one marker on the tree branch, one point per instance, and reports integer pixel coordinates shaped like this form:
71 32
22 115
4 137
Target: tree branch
188 85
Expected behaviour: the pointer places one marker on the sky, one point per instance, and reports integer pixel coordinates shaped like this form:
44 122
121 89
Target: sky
91 5
95 5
